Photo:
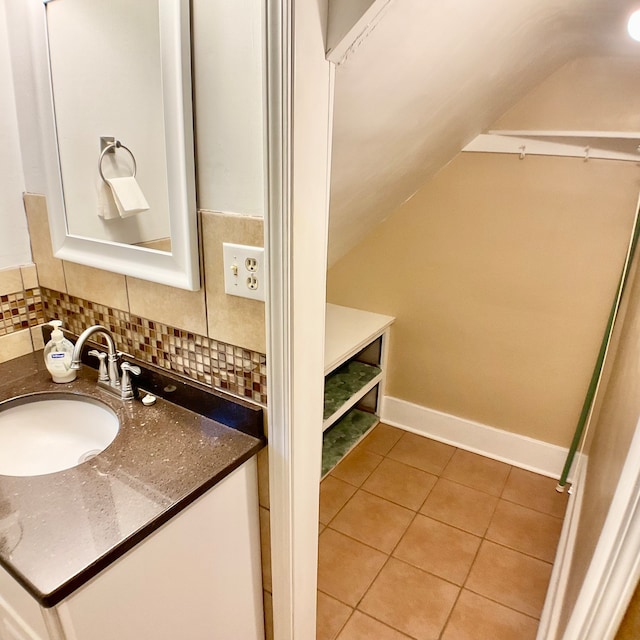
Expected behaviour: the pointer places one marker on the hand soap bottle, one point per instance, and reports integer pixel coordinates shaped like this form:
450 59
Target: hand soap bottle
58 353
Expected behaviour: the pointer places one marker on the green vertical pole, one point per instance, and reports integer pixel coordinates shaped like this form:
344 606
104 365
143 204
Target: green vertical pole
597 370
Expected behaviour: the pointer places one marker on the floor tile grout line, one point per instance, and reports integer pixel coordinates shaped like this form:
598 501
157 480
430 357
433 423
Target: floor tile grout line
366 591
382 622
483 538
457 586
361 486
523 553
506 480
389 555
464 586
404 506
455 450
345 622
446 622
520 551
351 483
440 476
453 526
410 433
418 511
372 615
345 604
370 546
335 515
389 500
407 562
502 604
526 506
413 466
415 515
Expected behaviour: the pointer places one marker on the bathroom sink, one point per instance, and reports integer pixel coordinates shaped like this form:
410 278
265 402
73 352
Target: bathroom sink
51 432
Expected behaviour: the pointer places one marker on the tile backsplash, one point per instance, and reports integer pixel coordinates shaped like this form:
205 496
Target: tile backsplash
206 335
211 362
21 312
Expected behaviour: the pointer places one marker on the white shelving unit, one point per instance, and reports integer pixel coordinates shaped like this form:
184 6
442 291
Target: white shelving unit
352 401
355 349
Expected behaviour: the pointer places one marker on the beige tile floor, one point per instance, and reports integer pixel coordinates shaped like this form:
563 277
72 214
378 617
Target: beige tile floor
421 540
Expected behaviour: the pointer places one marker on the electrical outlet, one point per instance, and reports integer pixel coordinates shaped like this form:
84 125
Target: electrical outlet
244 273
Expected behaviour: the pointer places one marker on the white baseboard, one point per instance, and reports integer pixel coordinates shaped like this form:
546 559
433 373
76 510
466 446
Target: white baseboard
512 448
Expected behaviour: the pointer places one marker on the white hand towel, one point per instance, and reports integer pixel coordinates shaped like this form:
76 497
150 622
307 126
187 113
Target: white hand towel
107 209
128 196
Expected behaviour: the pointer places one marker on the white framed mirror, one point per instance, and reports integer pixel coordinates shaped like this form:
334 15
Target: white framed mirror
122 193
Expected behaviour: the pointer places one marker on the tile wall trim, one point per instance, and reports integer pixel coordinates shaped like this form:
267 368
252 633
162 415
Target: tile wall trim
222 366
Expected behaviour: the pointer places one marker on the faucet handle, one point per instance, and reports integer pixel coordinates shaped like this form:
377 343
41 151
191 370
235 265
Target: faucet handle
103 376
126 388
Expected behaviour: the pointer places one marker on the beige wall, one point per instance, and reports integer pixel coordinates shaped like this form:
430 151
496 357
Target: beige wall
501 274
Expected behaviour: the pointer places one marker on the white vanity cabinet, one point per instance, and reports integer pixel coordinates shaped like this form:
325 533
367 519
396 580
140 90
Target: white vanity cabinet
197 577
355 358
20 615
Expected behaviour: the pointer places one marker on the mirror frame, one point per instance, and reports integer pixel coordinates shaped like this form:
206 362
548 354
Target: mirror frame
181 267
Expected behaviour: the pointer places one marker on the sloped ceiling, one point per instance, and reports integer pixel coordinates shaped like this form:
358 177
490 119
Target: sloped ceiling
430 76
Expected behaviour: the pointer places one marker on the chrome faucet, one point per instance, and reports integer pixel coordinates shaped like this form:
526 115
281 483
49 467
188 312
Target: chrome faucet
108 376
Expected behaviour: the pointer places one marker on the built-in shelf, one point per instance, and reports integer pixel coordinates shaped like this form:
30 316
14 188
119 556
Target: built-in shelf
345 387
348 331
344 435
604 145
355 358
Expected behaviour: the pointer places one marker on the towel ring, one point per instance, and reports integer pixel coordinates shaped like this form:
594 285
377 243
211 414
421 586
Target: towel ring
116 145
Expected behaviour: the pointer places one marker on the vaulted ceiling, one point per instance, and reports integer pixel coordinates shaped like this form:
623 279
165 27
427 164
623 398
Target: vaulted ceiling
427 77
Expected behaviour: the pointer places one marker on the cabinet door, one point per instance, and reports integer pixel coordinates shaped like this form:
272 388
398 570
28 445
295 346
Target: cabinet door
20 616
198 577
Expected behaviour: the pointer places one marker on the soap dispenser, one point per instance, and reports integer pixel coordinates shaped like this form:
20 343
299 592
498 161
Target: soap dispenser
58 353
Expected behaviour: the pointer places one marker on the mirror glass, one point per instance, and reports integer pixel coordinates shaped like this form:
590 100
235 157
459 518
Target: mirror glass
121 97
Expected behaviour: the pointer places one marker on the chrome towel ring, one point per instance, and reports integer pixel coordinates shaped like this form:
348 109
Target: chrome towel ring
110 148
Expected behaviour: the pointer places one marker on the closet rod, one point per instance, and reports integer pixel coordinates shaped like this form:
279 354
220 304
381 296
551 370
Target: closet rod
572 144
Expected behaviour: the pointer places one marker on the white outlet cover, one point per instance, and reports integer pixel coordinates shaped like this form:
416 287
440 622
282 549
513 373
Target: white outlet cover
236 274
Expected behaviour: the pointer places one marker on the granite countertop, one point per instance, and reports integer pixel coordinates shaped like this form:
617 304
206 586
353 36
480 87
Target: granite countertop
59 530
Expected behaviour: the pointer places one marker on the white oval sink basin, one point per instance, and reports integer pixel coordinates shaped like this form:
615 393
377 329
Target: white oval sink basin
45 434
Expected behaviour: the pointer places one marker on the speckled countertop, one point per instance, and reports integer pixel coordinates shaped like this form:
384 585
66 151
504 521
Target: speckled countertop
59 530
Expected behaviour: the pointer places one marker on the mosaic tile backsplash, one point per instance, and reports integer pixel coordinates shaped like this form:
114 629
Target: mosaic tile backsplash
20 310
222 366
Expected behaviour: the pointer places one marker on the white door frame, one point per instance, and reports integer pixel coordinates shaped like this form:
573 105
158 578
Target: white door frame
299 115
615 566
